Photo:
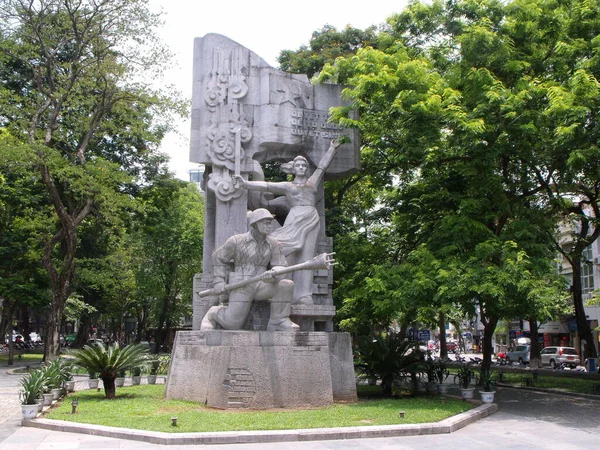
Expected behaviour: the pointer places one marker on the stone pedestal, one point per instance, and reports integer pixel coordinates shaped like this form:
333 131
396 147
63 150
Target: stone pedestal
261 369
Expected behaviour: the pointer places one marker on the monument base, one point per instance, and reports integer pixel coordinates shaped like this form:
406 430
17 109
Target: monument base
261 369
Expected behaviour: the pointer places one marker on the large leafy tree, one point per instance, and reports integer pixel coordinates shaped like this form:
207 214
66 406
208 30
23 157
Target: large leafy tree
168 246
24 217
464 102
73 89
325 46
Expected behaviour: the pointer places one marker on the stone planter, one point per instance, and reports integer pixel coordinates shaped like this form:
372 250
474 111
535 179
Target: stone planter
119 381
151 379
136 379
29 411
48 397
70 385
467 393
487 397
93 383
56 393
442 388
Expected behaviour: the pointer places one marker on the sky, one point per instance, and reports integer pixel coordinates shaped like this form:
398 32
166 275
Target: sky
264 26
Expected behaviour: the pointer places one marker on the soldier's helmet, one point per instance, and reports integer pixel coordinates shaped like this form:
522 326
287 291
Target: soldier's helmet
258 215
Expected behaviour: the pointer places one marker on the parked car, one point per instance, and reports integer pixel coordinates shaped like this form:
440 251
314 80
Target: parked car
555 356
451 346
519 354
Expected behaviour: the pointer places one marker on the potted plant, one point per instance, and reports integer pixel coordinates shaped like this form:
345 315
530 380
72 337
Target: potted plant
154 366
465 375
136 376
54 378
431 385
120 380
33 385
488 385
441 374
65 368
93 381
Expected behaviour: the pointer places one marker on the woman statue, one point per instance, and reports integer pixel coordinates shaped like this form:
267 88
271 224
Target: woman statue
300 231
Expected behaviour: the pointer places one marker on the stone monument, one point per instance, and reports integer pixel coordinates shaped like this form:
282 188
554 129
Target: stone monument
269 344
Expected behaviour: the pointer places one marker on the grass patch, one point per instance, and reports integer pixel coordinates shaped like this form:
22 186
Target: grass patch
575 385
144 408
32 358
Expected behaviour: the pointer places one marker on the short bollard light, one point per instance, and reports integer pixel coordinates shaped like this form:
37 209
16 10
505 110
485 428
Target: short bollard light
401 414
173 421
74 404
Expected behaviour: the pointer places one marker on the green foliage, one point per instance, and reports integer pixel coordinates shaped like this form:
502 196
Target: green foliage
33 386
56 372
168 251
75 84
386 357
108 361
465 375
325 46
441 371
487 380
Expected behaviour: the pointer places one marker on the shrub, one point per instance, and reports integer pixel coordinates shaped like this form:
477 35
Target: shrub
386 357
108 361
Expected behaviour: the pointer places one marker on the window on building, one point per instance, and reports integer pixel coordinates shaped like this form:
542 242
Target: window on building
196 176
587 271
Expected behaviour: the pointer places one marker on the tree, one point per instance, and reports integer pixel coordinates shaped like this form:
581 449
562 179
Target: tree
24 217
72 78
325 46
169 251
467 103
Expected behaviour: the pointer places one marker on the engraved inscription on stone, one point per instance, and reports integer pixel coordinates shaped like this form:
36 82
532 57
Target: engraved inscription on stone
241 388
305 122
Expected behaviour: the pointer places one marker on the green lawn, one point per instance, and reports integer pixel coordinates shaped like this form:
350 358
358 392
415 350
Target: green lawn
144 408
576 385
29 357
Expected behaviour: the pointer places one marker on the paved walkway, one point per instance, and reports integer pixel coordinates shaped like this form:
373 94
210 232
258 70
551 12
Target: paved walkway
526 419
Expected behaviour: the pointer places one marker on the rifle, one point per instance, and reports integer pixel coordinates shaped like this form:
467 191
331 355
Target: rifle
322 261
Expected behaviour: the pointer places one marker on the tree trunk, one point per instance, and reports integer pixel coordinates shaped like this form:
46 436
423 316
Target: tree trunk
442 327
6 327
52 343
583 326
534 352
83 333
110 390
489 327
25 319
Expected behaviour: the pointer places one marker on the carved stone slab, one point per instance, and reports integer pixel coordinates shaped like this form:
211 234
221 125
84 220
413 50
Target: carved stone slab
259 370
240 103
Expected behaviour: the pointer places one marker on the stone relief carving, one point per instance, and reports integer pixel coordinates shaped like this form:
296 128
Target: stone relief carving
228 128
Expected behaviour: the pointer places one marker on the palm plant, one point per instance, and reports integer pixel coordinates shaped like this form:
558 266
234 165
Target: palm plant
386 357
109 360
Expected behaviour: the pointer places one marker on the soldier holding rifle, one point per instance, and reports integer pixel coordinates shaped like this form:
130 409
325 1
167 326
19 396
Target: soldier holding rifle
252 254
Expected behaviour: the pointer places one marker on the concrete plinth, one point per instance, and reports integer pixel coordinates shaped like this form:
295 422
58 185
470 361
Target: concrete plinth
261 369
